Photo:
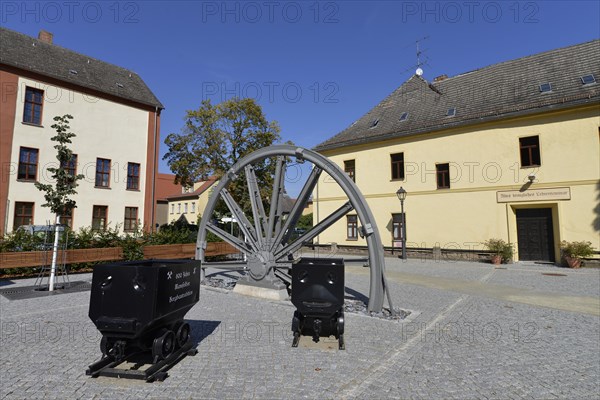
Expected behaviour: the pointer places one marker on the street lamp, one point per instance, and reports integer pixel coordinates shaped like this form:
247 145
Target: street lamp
401 193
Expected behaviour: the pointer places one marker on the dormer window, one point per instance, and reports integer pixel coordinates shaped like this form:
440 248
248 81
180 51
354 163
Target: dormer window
545 87
404 116
374 123
588 79
451 112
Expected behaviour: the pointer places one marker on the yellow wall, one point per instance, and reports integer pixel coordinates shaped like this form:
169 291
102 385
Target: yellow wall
199 201
483 160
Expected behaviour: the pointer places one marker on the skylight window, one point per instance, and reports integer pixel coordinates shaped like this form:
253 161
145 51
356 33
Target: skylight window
72 72
374 122
404 116
545 87
120 85
451 112
588 79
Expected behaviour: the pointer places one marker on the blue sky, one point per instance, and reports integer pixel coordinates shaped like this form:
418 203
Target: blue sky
315 67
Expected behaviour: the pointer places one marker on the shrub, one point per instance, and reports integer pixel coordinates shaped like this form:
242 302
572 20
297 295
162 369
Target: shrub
133 248
576 249
21 240
500 247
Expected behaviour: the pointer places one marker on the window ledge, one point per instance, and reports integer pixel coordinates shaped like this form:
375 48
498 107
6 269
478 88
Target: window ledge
397 180
27 180
32 124
133 190
102 187
352 239
531 166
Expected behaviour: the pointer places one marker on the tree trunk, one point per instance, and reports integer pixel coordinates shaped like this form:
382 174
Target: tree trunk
54 254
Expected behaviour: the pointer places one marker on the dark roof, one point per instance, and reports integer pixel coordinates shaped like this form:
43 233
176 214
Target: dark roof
287 203
196 193
498 91
30 54
165 186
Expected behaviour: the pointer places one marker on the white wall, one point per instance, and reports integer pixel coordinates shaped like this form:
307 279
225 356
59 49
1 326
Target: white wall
104 129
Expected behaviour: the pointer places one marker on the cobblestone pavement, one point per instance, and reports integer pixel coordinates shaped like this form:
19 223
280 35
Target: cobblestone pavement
464 339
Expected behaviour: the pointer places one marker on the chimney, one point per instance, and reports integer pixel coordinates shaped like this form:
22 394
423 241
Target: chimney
45 36
440 78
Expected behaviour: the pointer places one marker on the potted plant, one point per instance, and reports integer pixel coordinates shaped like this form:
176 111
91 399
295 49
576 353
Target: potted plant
573 252
501 251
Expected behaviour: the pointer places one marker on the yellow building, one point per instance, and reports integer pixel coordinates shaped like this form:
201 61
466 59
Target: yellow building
191 202
508 151
308 208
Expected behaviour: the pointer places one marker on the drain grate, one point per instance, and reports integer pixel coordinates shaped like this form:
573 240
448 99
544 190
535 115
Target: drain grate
553 274
31 292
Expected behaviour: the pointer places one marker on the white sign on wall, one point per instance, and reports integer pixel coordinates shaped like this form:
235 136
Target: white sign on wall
509 196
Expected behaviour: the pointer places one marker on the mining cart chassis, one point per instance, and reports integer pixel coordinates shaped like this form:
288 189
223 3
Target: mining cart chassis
107 366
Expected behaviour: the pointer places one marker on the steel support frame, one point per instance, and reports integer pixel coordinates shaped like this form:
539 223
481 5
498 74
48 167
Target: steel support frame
377 288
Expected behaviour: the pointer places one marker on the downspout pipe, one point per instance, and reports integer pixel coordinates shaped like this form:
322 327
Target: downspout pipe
154 169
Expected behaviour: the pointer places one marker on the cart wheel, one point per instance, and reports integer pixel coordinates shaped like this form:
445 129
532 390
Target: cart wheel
163 345
296 322
340 324
182 334
112 348
296 339
104 347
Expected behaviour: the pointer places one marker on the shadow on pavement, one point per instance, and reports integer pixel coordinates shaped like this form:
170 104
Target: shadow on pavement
202 329
6 282
356 295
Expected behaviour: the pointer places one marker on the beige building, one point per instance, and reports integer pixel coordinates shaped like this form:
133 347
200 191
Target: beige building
190 203
308 209
508 151
165 187
116 120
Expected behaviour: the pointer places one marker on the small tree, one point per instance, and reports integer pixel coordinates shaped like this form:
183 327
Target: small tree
58 196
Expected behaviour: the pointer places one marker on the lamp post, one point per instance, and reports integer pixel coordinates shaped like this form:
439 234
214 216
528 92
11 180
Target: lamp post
401 193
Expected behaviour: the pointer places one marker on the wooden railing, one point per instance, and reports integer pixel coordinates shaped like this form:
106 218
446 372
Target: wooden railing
166 251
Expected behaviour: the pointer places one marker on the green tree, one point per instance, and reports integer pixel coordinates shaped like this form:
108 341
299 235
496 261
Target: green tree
58 195
305 222
215 137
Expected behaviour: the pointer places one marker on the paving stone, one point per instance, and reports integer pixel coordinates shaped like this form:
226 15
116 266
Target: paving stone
454 345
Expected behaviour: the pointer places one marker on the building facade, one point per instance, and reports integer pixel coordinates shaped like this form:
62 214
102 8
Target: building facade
190 203
116 119
165 187
509 151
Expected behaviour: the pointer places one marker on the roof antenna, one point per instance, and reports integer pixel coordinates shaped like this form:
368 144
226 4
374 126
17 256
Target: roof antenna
419 70
421 61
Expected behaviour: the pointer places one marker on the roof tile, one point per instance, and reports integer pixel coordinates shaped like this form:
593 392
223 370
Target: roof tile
497 91
24 52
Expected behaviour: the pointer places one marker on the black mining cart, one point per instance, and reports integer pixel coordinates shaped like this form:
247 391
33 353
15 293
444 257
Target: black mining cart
318 294
139 306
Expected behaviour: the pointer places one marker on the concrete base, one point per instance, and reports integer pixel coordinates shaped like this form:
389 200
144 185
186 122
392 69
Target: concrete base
260 292
325 343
